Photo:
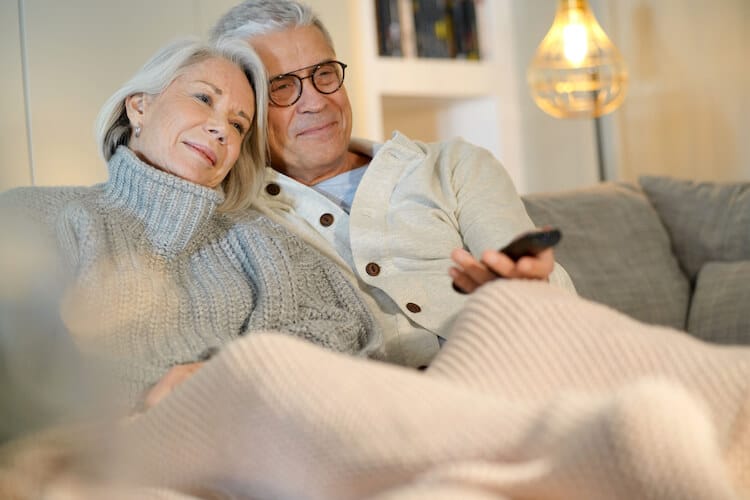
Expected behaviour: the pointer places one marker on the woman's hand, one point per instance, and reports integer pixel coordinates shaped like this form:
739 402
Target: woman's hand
174 377
470 273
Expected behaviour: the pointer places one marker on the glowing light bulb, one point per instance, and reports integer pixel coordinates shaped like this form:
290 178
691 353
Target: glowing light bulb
577 72
575 42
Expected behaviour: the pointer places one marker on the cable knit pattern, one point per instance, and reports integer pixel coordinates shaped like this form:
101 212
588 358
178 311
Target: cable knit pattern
160 276
537 394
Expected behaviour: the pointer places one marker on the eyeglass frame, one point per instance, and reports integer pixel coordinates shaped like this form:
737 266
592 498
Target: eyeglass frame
311 76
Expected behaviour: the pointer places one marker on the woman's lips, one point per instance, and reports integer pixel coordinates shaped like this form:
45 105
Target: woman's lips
206 152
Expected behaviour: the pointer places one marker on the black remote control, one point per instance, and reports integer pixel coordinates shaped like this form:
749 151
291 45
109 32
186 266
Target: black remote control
531 243
528 245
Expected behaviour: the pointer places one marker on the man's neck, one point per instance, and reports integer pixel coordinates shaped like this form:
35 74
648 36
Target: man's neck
351 161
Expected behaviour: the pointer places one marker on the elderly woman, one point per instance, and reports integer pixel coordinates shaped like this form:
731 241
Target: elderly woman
167 262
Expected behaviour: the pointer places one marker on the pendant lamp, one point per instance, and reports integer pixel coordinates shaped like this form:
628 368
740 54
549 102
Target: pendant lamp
577 72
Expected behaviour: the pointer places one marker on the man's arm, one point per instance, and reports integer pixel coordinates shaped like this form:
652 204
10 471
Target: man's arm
470 273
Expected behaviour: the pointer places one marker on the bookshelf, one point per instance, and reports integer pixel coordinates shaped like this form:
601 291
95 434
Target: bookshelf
431 99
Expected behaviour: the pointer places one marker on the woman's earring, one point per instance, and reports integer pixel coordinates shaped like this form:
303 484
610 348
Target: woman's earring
138 131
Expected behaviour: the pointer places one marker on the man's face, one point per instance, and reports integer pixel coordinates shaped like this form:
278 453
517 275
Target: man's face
311 137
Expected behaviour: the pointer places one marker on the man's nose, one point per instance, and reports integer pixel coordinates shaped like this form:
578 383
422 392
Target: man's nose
310 98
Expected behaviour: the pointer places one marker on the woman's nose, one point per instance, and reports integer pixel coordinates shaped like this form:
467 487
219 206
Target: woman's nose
218 132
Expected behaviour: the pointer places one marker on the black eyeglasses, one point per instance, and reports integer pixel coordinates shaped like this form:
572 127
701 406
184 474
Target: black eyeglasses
327 77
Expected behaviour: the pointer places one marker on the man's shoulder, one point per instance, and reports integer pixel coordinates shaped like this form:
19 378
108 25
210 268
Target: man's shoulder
403 143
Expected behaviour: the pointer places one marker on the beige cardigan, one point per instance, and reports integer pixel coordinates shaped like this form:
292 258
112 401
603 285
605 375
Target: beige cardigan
415 204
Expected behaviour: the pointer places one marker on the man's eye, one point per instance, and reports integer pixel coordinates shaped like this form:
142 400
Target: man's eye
203 98
281 86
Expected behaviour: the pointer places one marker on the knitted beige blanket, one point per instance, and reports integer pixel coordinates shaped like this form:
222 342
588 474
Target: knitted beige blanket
537 395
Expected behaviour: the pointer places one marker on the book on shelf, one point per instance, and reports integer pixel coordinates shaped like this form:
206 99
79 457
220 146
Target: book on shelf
427 28
408 35
433 29
465 36
388 27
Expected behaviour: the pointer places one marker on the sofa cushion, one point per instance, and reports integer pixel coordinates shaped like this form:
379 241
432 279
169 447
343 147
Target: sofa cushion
719 310
706 221
616 250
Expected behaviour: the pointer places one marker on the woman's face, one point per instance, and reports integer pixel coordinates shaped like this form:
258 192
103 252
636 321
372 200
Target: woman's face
194 129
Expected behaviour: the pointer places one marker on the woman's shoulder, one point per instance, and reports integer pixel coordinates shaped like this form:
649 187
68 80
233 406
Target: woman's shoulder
29 195
253 220
39 202
258 230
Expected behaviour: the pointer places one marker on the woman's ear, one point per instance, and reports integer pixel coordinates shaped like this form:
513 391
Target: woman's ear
135 107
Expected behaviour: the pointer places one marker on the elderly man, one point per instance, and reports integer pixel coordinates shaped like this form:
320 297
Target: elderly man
392 215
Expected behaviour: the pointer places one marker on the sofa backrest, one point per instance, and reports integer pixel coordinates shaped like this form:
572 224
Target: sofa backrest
709 226
616 250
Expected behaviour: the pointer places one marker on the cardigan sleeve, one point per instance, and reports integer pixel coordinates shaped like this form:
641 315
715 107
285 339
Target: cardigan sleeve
489 210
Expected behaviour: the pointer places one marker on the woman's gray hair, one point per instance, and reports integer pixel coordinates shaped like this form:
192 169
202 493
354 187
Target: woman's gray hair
260 17
113 128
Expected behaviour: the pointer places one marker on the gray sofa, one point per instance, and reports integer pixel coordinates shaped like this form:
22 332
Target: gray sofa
665 251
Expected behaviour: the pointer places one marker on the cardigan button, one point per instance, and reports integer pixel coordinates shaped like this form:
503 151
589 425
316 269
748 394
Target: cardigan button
414 308
273 189
326 220
372 269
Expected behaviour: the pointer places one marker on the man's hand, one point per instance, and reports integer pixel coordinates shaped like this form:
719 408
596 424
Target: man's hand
470 273
174 377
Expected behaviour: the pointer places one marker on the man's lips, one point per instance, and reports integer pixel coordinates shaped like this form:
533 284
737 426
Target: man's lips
203 150
316 129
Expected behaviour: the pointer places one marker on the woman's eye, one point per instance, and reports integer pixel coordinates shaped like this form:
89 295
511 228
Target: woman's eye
239 128
203 98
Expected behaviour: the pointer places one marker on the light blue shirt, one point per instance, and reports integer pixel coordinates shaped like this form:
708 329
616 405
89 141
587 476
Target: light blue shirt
341 189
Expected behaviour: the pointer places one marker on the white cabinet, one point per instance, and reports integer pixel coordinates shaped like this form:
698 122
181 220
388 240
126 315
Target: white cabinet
485 102
433 99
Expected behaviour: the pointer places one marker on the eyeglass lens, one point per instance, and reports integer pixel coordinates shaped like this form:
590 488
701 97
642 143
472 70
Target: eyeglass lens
326 77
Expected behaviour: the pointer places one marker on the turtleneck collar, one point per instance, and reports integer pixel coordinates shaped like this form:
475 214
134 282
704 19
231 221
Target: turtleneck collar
172 210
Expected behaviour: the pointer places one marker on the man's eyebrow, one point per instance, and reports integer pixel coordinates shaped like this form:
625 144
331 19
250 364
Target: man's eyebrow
302 69
216 89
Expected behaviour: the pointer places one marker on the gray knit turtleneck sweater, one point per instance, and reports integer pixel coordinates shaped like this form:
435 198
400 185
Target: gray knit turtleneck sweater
161 277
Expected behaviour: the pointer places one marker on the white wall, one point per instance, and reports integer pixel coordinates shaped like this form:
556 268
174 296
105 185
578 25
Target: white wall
687 113
688 110
15 167
77 52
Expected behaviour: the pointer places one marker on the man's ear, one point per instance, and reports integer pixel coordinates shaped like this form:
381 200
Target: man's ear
135 107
